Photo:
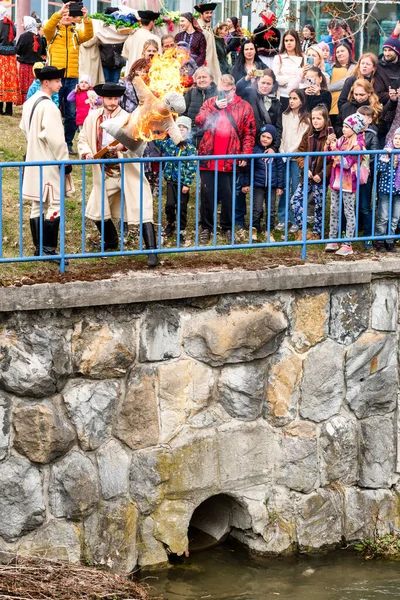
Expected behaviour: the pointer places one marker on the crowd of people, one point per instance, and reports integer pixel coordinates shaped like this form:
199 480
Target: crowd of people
260 94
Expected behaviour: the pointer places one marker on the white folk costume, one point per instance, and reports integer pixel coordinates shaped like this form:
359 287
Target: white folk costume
133 46
91 140
42 125
212 61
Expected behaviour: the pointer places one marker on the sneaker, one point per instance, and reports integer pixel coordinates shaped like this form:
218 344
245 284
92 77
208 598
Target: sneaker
182 236
169 230
390 247
204 236
294 228
368 246
280 227
71 151
380 246
310 219
344 250
331 247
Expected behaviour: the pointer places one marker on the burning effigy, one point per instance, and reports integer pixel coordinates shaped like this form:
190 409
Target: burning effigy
160 102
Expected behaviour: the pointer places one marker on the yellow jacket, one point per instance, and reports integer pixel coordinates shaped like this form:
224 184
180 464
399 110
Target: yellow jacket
63 43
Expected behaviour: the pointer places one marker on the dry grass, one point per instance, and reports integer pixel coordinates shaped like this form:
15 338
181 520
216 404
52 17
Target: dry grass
42 579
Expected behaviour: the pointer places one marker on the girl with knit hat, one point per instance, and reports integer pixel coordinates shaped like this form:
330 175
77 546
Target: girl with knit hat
192 34
388 194
345 180
269 181
85 98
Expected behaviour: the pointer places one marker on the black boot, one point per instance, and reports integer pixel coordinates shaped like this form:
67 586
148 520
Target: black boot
8 110
50 235
110 235
1 108
35 231
150 243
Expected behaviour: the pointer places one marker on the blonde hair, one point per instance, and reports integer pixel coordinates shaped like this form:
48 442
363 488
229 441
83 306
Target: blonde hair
228 79
148 43
218 28
318 51
373 98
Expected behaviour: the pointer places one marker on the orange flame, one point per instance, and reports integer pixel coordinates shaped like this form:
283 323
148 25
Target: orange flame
164 74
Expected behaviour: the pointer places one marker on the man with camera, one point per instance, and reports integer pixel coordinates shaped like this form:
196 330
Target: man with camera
63 41
229 128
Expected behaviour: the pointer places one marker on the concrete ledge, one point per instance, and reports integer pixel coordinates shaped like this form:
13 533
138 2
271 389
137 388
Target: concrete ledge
157 286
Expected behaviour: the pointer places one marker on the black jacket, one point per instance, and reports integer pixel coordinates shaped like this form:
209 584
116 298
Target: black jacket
25 52
385 71
194 99
221 54
239 71
325 97
6 47
110 56
349 108
245 90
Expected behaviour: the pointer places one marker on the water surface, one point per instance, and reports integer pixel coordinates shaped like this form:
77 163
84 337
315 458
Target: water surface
229 573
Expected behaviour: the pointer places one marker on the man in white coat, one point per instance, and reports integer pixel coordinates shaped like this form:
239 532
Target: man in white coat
92 139
206 12
43 128
133 46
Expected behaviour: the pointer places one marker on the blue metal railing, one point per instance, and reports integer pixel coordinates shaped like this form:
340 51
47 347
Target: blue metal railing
166 246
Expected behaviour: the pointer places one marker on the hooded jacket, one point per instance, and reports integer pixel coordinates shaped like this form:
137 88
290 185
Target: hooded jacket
385 71
63 43
268 171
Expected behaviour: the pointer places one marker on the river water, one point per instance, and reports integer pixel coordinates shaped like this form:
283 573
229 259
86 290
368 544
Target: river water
229 573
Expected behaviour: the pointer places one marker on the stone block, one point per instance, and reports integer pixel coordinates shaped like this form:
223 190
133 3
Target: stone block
57 540
349 313
22 507
369 513
136 423
5 424
384 306
194 465
171 522
33 363
322 388
73 487
248 454
241 390
41 431
319 519
91 406
339 451
160 334
298 468
377 452
103 350
310 320
243 334
149 472
151 551
113 463
371 374
185 388
110 536
283 388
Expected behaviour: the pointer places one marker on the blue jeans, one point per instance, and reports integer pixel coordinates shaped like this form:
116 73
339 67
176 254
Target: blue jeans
68 108
294 180
111 75
383 214
364 199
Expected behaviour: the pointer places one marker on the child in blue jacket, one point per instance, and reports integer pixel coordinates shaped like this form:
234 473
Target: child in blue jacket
268 173
171 172
389 181
35 86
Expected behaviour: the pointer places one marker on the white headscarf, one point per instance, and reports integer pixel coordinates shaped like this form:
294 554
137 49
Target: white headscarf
30 24
3 13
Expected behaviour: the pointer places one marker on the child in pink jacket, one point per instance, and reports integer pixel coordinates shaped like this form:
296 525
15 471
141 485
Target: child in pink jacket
85 98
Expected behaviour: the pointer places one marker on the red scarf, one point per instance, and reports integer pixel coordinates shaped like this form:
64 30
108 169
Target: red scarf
36 44
8 21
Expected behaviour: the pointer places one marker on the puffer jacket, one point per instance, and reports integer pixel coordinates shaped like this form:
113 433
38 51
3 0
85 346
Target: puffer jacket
262 172
242 136
63 44
194 99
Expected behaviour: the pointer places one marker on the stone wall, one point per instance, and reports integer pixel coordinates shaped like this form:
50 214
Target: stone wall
117 422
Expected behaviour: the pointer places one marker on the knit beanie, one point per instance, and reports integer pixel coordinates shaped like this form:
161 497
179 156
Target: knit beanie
268 129
186 122
86 78
356 122
393 44
397 132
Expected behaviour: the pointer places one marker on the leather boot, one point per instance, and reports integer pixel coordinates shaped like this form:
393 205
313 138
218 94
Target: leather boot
50 235
35 231
149 238
1 108
110 235
8 110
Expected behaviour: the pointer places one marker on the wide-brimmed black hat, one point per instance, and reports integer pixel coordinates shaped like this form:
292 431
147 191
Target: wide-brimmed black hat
203 7
109 90
148 14
49 72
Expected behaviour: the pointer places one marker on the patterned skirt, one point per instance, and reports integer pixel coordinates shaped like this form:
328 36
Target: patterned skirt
26 77
9 80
